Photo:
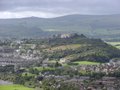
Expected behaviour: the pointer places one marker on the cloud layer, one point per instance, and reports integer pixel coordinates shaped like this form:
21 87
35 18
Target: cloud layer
53 8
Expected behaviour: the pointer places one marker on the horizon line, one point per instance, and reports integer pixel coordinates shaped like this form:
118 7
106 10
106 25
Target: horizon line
61 16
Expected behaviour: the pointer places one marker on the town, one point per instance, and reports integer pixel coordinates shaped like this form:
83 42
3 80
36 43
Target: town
33 59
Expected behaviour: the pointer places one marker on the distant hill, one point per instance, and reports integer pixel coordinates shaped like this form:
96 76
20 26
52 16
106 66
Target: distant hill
100 26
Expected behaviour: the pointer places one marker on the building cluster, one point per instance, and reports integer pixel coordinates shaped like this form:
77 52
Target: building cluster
105 68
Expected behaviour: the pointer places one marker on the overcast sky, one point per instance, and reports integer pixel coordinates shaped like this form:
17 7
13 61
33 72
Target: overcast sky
54 8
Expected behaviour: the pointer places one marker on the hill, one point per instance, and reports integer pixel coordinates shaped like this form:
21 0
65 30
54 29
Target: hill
100 26
79 48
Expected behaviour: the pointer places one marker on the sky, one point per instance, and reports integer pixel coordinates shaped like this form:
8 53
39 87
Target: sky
56 8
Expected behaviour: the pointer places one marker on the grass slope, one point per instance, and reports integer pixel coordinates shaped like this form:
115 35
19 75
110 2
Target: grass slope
86 63
116 44
63 47
14 87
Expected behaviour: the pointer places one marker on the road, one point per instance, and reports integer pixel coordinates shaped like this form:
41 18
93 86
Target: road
5 82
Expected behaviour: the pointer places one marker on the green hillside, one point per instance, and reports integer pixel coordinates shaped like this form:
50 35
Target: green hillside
79 48
100 26
14 87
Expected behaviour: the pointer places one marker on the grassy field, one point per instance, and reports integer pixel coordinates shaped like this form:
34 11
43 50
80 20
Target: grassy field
63 47
45 68
116 44
82 63
113 43
86 63
27 74
14 87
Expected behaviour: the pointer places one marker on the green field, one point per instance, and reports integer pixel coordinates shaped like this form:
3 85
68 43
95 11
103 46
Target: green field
44 68
27 74
14 87
63 47
86 63
113 43
116 44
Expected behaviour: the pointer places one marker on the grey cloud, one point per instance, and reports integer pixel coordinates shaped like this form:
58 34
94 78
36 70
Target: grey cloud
62 6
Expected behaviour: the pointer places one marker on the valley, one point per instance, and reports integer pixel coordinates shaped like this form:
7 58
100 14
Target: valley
59 44
59 61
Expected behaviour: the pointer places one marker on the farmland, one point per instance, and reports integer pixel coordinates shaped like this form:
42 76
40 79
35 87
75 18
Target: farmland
86 63
63 47
14 87
116 44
